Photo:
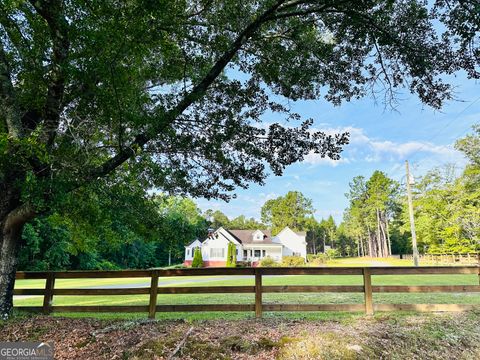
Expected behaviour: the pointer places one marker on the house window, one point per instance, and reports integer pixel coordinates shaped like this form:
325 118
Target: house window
264 253
188 252
257 253
217 253
245 254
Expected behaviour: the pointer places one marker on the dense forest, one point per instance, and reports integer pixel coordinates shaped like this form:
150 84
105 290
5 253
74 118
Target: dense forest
129 231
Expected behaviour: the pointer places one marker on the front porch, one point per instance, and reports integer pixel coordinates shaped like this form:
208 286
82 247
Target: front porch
255 253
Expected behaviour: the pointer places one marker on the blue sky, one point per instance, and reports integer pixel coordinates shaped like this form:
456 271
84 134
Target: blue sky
380 138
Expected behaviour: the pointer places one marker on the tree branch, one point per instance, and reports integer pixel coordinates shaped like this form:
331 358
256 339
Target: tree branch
53 13
13 32
17 217
11 115
196 93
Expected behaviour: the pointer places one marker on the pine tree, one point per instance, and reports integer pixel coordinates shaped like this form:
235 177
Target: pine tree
197 259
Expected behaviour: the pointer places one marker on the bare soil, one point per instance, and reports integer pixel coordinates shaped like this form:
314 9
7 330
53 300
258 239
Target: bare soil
440 336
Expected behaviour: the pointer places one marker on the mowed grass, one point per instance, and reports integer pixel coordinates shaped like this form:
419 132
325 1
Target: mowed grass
368 261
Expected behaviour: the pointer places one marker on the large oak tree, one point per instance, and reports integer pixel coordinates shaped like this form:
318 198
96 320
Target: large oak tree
172 92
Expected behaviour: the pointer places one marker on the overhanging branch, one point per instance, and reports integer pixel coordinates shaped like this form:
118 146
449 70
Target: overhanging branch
197 92
53 13
11 116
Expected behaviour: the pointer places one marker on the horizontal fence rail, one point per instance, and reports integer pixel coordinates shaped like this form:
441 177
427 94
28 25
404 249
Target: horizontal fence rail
454 259
49 291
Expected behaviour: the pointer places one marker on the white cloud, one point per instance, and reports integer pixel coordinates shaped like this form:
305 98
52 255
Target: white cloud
316 159
402 150
364 148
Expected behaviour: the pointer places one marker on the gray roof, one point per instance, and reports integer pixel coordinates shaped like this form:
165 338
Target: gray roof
192 243
246 236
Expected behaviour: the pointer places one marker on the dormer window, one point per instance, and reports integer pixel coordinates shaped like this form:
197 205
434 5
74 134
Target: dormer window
258 236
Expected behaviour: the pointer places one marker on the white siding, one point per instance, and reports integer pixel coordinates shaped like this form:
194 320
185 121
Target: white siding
189 250
214 243
292 243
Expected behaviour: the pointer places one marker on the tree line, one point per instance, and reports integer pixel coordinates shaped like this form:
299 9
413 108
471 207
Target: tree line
446 209
147 232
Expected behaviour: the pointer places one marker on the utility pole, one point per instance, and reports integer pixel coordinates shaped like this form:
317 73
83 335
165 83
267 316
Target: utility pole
412 219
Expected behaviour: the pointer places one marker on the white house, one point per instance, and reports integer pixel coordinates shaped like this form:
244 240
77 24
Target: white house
251 246
294 243
190 249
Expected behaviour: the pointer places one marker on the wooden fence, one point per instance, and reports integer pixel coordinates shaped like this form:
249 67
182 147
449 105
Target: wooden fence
49 291
447 259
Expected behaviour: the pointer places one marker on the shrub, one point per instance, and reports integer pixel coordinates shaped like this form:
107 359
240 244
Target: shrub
268 262
293 261
177 266
332 253
197 259
231 255
107 265
318 260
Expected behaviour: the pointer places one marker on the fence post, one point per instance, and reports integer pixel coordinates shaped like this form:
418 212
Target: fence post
258 293
478 256
152 305
48 295
367 288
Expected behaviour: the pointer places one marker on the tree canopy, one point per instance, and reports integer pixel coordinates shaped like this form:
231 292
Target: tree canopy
293 210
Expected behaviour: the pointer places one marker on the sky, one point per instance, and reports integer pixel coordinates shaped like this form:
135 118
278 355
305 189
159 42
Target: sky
380 139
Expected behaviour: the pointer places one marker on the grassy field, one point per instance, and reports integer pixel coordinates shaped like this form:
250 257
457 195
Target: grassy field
366 261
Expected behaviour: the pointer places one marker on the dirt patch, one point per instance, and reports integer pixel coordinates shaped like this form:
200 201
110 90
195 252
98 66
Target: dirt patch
447 336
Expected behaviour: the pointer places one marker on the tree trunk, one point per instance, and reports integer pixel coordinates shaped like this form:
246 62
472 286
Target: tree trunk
362 250
379 236
9 246
370 243
13 215
388 237
384 236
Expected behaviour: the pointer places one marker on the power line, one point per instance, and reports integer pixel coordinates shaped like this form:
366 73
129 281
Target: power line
416 152
423 146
